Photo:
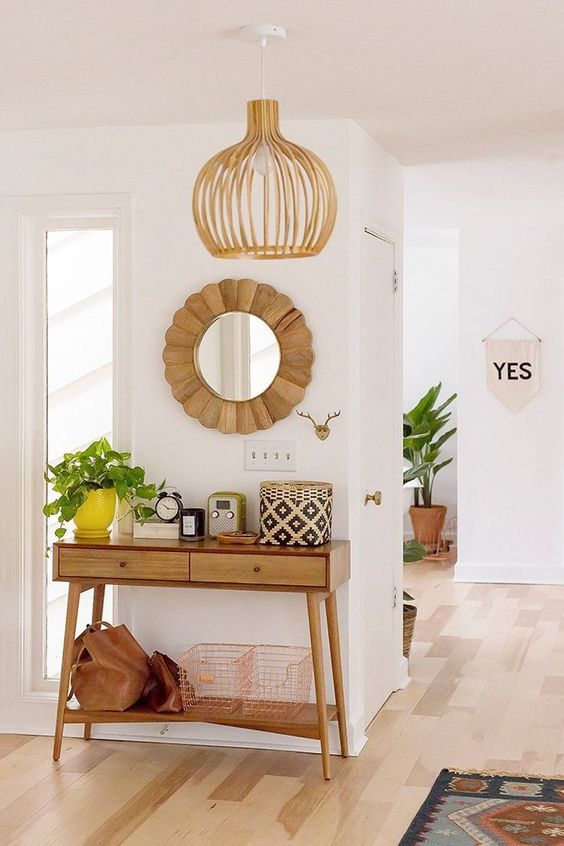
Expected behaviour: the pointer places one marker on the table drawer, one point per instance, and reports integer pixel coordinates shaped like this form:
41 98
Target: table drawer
226 568
124 564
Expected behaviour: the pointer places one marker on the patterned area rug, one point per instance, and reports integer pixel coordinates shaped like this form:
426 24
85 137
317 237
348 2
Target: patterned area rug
464 809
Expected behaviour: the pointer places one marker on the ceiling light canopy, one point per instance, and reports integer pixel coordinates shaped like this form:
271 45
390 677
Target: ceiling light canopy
265 197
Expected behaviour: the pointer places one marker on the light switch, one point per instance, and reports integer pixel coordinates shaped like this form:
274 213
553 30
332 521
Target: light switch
280 456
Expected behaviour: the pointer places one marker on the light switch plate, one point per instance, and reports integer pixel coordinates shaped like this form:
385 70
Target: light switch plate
279 456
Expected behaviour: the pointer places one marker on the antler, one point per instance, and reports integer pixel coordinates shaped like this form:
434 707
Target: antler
331 416
307 416
321 429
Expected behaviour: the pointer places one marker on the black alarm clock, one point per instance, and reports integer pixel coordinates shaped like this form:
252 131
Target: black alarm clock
168 506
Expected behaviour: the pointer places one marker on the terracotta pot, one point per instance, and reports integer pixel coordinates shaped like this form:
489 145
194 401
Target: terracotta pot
428 524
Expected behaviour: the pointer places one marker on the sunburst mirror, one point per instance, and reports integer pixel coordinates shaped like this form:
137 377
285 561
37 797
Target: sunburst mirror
238 356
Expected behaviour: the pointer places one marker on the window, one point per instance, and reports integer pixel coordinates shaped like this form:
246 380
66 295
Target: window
79 286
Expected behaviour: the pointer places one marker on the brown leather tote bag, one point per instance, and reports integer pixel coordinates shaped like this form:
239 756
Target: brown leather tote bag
110 669
162 692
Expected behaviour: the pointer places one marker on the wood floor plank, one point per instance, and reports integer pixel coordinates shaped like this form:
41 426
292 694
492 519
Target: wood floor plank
10 742
244 777
117 828
301 805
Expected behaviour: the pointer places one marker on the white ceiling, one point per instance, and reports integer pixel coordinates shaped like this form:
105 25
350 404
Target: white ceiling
431 79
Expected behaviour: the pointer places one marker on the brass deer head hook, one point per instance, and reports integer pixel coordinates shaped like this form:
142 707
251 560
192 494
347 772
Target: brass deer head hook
322 430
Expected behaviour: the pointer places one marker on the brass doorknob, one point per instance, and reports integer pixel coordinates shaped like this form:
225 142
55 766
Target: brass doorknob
376 498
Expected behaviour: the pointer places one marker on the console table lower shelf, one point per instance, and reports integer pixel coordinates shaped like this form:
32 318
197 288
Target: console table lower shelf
304 724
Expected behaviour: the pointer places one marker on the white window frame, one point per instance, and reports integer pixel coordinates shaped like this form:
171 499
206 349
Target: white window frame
36 217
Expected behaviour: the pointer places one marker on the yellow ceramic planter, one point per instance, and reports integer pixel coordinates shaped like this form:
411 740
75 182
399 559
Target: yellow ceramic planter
95 516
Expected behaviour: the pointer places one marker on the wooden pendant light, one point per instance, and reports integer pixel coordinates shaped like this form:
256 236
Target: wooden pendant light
264 198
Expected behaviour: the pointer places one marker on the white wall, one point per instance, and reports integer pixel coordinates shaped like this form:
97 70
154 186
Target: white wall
509 216
156 167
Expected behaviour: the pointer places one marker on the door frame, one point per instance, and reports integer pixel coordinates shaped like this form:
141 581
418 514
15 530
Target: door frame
26 703
372 229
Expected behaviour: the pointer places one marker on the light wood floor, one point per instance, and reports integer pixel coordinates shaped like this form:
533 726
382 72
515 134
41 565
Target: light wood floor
487 692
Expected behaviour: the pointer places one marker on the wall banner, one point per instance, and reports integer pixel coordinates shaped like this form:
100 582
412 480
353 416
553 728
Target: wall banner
513 370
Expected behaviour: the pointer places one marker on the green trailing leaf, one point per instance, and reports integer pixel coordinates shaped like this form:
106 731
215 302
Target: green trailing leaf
144 512
145 491
413 550
94 468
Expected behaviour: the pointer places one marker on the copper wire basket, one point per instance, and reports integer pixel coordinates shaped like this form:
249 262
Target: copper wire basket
276 680
210 675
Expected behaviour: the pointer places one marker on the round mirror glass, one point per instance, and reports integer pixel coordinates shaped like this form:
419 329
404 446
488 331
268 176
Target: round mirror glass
238 356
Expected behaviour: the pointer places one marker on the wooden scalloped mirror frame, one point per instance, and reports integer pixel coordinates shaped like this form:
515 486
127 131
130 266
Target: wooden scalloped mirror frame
188 327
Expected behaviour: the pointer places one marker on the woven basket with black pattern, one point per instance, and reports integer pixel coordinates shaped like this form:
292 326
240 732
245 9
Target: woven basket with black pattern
295 513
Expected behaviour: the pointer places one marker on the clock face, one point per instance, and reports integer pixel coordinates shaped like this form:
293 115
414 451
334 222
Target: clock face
168 508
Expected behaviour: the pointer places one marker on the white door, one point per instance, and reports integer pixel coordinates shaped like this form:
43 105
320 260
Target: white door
380 428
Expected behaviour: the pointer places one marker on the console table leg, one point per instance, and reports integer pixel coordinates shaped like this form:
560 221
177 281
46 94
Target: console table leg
97 615
319 679
66 664
335 647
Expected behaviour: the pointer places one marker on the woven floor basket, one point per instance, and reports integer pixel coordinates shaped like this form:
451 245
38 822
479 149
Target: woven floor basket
296 513
409 615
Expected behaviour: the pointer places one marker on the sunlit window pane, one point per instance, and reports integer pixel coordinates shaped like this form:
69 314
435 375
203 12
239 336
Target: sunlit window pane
79 377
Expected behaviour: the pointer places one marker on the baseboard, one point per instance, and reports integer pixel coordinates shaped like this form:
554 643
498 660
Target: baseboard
513 574
402 674
199 734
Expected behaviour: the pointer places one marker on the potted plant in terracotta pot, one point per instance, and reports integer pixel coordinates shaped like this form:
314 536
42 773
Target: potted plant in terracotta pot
89 482
423 439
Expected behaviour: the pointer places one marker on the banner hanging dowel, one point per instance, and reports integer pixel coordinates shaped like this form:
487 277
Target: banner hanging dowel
515 320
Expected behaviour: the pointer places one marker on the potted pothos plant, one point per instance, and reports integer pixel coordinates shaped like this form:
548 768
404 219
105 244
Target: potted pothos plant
424 436
88 484
413 550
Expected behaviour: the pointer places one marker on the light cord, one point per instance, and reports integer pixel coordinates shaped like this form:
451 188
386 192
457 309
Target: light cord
262 69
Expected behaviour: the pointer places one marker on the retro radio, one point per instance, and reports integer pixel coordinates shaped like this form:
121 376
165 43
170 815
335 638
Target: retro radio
226 512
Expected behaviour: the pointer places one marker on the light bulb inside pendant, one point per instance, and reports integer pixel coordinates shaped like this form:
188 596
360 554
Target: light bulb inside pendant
263 162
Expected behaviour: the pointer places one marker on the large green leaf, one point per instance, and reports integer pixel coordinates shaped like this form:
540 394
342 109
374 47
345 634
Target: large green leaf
414 472
425 403
440 466
415 441
446 403
443 439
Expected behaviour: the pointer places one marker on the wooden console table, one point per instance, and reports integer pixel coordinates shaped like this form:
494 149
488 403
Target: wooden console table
314 571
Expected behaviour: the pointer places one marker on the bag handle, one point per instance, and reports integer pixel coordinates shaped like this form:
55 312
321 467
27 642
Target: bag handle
98 626
91 627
